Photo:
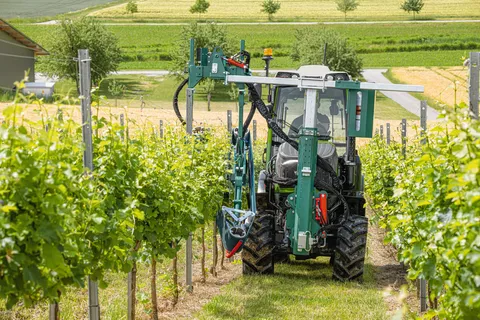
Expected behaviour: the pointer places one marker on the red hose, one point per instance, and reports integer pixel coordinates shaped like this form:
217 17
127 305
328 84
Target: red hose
235 249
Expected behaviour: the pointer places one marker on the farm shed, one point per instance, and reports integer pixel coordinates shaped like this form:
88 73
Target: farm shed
17 55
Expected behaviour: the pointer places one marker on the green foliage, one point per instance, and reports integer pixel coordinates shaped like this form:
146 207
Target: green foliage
209 36
84 33
270 7
115 88
59 223
200 6
414 6
132 7
346 6
429 203
309 46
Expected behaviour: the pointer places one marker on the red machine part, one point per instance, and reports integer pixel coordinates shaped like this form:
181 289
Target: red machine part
321 214
230 254
236 63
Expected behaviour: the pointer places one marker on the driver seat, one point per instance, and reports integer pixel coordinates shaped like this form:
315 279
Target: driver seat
287 159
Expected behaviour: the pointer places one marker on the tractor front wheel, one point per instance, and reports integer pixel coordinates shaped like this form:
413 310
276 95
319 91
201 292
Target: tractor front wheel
257 254
350 251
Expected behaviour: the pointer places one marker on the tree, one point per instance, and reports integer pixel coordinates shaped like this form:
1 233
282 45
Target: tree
132 7
309 45
414 6
206 36
115 89
346 6
270 7
208 87
200 6
73 35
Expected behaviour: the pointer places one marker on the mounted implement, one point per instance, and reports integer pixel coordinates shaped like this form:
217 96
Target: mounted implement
309 199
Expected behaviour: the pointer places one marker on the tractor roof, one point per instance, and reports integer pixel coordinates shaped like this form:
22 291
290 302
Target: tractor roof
313 71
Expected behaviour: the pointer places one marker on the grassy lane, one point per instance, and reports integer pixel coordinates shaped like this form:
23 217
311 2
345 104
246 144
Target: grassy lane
300 290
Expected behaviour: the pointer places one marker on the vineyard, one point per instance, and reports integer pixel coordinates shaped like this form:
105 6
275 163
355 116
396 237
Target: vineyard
61 223
427 198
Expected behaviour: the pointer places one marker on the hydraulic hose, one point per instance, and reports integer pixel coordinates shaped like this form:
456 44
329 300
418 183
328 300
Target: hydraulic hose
175 101
249 118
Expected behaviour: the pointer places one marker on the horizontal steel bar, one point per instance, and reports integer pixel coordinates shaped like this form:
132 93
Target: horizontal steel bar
321 84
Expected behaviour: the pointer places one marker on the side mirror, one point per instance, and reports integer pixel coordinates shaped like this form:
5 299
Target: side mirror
334 110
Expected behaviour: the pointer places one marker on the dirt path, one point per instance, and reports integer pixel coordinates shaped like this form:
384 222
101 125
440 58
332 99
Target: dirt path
390 274
189 304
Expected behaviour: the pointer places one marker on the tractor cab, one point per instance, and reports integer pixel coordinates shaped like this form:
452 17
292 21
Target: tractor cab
289 107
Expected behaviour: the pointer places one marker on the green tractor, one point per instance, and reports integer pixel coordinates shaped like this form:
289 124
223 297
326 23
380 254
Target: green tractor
308 201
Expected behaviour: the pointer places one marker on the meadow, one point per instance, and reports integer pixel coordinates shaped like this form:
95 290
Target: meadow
291 10
380 45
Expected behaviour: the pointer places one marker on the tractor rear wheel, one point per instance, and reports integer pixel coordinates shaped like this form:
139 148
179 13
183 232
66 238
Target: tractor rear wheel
257 254
349 257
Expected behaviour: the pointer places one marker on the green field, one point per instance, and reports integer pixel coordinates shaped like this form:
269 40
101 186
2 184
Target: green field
292 10
380 45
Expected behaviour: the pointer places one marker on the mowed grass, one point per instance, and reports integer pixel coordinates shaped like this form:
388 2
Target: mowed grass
299 290
383 45
292 10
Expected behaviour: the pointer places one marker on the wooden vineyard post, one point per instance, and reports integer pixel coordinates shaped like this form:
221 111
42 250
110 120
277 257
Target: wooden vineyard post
381 132
161 129
85 89
213 270
474 83
54 308
404 137
188 251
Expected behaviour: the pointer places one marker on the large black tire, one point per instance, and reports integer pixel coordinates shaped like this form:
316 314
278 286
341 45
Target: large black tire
257 254
349 257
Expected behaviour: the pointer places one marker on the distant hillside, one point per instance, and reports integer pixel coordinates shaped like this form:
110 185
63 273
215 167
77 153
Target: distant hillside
43 8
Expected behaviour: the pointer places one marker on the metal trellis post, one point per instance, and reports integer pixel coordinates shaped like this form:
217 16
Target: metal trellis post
161 128
474 82
381 132
229 120
423 120
189 253
85 88
254 130
388 133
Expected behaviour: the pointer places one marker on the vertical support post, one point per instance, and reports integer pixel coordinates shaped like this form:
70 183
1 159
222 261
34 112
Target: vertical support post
423 120
474 83
404 137
229 120
376 131
423 295
161 128
388 133
85 88
381 132
254 130
188 251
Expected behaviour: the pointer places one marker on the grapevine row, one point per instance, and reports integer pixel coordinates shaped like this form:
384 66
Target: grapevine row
429 202
60 224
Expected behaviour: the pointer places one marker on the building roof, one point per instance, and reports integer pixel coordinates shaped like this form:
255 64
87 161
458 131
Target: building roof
21 38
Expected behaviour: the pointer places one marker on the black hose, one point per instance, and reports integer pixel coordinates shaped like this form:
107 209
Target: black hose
249 118
175 101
